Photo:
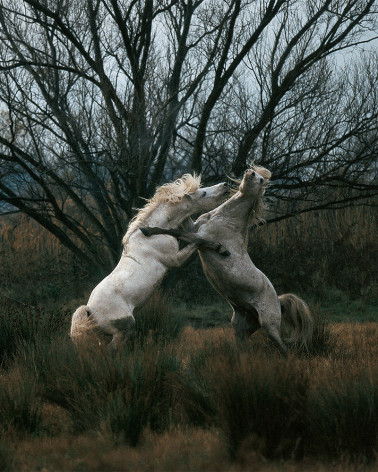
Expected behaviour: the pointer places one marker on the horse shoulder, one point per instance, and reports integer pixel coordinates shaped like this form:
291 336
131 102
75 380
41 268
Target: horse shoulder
203 219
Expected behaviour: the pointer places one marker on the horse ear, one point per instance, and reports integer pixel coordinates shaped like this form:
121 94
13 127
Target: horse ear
187 196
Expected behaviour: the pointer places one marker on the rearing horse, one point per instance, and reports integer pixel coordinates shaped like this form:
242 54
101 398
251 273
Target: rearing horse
144 262
251 295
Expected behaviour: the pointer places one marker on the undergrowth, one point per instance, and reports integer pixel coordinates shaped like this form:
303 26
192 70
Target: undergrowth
306 406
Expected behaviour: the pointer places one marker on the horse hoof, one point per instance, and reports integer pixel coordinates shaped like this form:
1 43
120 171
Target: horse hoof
145 231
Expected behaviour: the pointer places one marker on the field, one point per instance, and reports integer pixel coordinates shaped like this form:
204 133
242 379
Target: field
180 398
181 395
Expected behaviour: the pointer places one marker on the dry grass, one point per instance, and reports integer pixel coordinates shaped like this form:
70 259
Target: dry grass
176 451
172 393
305 254
214 370
35 268
354 225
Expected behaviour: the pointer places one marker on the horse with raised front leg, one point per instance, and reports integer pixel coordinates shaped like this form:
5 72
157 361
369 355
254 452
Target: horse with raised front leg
251 295
144 262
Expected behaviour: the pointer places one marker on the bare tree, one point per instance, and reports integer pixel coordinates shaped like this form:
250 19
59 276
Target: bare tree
101 100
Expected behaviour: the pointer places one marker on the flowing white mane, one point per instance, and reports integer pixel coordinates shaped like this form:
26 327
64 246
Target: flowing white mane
172 192
257 211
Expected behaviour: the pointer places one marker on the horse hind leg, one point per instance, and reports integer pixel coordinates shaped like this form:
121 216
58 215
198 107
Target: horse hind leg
244 326
246 323
272 328
121 329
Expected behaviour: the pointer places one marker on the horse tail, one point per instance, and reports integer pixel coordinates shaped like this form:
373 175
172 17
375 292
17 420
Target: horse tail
81 323
297 315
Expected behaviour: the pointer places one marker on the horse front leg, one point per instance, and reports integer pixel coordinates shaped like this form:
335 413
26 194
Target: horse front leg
187 237
181 256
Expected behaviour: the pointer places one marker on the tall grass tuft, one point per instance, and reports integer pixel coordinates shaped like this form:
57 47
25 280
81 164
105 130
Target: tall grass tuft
323 341
7 340
263 402
249 397
20 404
6 459
157 320
25 323
77 379
120 392
342 419
146 398
195 386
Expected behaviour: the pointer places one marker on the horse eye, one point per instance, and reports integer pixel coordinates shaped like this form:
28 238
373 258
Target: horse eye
204 193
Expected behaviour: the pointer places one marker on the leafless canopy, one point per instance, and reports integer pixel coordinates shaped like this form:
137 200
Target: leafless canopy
102 100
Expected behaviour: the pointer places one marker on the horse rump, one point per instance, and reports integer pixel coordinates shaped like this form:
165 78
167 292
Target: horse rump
82 323
296 315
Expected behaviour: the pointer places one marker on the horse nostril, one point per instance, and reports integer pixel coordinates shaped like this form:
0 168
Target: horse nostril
261 180
225 184
253 173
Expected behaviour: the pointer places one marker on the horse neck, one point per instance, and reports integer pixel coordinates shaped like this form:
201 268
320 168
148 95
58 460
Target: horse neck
236 214
237 208
167 215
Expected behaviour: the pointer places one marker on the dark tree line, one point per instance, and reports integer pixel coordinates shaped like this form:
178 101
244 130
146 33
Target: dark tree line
102 100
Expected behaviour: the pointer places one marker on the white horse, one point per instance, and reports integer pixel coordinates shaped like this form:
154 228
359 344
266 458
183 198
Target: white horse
249 292
144 262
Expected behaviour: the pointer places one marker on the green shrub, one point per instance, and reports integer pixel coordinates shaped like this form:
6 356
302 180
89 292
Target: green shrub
122 392
196 388
246 396
7 340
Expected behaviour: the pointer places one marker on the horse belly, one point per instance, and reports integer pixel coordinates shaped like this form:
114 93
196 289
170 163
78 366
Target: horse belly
236 278
225 274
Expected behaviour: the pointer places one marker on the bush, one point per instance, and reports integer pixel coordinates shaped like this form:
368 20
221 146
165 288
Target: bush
7 340
246 396
323 341
195 386
6 460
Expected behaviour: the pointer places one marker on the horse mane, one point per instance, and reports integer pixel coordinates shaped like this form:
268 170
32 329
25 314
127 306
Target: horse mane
258 207
172 192
257 210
